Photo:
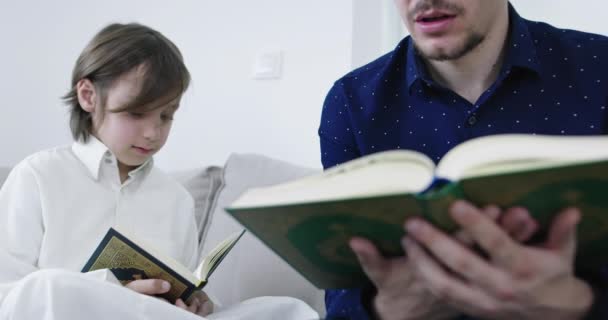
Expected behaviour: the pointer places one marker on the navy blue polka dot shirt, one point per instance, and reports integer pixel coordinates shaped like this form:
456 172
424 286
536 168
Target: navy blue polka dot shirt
553 81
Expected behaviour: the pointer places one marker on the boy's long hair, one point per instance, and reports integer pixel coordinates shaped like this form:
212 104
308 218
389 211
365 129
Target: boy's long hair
115 50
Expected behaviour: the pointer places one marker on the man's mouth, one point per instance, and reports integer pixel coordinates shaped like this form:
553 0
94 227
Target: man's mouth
433 16
434 21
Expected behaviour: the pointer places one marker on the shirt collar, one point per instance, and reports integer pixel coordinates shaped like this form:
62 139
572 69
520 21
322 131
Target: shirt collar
93 152
415 69
521 49
520 52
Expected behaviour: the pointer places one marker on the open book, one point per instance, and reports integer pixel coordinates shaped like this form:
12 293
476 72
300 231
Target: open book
131 259
308 222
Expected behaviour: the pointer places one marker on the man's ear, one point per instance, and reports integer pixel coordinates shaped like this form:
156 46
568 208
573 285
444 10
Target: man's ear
87 95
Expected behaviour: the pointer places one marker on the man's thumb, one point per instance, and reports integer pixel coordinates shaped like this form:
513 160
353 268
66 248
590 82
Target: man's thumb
370 259
562 234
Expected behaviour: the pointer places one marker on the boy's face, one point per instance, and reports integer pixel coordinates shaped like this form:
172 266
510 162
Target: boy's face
449 29
133 136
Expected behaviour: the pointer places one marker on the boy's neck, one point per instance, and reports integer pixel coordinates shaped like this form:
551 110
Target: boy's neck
123 171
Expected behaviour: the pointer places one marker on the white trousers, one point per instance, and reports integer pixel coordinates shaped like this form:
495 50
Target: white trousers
65 295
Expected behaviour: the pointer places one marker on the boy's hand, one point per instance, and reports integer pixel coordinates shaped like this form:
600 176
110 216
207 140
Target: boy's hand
149 287
200 304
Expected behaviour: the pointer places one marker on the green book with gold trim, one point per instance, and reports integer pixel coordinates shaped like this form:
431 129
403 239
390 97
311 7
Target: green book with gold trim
309 221
132 259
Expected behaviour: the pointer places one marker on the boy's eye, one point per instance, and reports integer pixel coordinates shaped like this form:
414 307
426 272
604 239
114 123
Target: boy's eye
167 117
136 115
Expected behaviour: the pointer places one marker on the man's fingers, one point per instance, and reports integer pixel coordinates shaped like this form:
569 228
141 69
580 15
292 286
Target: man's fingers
458 258
442 285
486 233
465 238
491 211
518 223
149 286
526 232
372 262
562 233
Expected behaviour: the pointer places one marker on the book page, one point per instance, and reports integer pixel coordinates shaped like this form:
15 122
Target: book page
517 152
217 254
390 172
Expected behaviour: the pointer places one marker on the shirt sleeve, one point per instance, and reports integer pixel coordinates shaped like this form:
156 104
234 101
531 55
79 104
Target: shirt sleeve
599 309
21 224
338 145
336 136
605 131
22 228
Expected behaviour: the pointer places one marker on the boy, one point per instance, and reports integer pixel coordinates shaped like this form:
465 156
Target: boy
57 204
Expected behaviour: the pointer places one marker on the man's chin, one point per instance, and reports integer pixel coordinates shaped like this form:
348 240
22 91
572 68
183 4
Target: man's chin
441 55
432 49
445 50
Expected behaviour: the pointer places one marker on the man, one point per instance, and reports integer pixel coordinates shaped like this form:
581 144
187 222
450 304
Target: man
470 68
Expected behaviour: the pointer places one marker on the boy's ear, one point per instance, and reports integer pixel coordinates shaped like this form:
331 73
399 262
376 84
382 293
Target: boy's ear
87 96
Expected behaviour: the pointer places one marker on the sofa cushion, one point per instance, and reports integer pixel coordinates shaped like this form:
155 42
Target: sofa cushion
204 185
4 171
251 269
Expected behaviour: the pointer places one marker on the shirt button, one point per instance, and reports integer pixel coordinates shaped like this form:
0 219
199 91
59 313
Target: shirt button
107 160
472 120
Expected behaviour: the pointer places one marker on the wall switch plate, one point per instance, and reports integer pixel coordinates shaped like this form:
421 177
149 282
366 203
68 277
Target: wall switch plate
268 65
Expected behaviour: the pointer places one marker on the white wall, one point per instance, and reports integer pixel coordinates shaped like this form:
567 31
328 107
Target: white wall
224 111
584 15
377 28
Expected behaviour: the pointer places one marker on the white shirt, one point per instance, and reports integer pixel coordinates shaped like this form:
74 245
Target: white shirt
56 206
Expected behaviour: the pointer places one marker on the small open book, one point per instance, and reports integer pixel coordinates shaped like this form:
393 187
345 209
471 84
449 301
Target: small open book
131 259
309 221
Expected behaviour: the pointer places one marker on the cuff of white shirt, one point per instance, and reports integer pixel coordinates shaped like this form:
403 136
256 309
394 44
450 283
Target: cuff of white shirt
104 275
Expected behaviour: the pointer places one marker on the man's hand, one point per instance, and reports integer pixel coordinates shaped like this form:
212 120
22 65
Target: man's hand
517 282
401 294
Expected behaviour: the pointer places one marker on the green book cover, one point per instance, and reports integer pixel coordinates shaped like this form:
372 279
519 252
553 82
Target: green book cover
545 192
312 236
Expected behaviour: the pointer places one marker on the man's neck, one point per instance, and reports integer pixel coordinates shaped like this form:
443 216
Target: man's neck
472 74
